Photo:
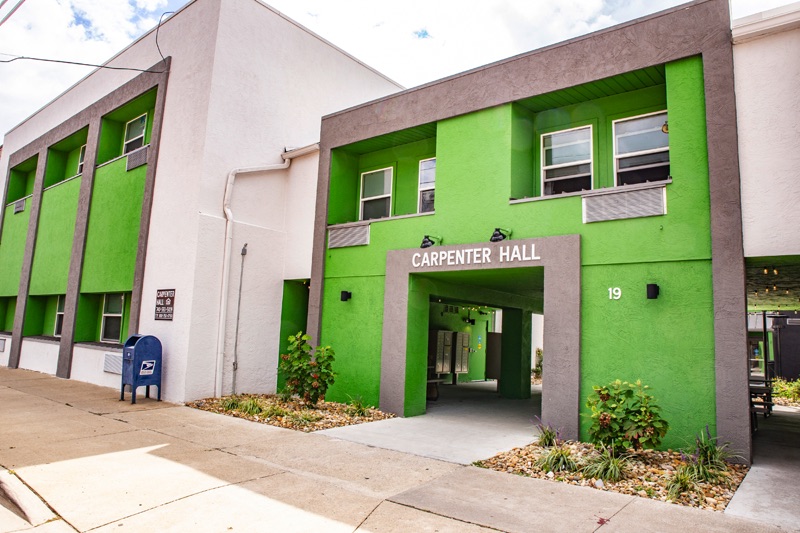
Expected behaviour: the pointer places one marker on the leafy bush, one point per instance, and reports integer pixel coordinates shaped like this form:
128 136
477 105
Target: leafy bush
683 480
558 459
607 466
536 371
308 374
789 390
625 416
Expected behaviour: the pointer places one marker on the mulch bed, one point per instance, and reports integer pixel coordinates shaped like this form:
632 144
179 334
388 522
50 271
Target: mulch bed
293 414
648 476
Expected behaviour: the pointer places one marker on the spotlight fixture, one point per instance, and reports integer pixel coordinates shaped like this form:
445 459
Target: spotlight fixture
775 271
500 234
430 240
774 287
346 295
766 270
652 291
665 127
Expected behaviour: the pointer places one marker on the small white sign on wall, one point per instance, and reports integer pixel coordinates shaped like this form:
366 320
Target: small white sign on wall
2 345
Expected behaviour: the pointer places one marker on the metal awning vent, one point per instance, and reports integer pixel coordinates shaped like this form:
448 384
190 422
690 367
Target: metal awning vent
137 158
793 321
112 363
623 204
348 236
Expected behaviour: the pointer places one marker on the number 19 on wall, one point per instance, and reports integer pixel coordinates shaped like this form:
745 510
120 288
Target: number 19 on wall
614 293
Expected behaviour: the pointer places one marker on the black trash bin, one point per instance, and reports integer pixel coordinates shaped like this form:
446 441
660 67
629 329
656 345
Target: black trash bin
141 365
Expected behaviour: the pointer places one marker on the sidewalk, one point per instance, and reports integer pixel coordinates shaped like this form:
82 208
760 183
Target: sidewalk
104 465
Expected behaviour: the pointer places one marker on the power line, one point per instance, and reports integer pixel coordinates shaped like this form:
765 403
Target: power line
45 60
10 12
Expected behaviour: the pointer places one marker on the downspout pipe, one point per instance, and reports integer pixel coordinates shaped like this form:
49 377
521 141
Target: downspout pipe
287 157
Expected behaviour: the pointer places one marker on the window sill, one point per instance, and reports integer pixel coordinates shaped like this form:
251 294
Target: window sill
98 344
374 220
596 192
49 339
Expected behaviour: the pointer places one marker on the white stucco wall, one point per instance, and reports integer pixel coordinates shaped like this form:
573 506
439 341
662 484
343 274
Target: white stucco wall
767 78
245 84
87 365
38 355
273 81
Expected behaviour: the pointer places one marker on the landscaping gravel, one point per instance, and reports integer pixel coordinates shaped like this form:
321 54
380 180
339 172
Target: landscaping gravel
648 475
293 414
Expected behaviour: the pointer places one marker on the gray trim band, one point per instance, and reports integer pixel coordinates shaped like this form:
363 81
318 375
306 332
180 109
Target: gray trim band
561 259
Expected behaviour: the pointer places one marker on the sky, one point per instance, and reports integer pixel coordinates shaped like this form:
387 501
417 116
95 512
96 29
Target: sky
410 41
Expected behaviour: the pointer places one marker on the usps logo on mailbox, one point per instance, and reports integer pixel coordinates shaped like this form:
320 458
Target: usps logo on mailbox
147 368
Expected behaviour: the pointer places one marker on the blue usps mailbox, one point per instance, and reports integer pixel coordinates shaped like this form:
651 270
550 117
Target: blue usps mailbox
141 365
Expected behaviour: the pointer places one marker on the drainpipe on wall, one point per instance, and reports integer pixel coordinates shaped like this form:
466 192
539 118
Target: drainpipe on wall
226 257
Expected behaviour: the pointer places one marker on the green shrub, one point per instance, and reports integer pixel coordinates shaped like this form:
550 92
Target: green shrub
625 416
789 390
558 459
358 407
536 371
231 403
273 411
683 480
709 461
305 417
607 466
250 406
547 435
308 374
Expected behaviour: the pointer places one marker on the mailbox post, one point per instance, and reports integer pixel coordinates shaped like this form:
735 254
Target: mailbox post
141 365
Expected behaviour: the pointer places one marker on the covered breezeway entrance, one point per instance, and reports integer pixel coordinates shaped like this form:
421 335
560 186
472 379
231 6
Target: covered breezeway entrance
519 277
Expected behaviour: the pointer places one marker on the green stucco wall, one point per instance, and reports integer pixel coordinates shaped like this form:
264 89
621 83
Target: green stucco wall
113 233
294 315
54 239
12 248
487 157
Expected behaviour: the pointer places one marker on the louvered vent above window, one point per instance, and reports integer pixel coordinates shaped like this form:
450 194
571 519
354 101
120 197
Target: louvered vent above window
348 236
621 204
137 158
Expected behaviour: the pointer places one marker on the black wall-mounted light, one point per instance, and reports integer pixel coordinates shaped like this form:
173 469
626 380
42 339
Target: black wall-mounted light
346 295
430 240
500 234
652 291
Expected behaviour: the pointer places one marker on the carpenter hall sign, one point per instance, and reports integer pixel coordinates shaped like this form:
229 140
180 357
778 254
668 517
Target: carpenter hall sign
507 253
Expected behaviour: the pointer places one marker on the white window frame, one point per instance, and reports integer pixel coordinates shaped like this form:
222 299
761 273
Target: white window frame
120 315
425 187
544 168
58 326
126 141
389 195
617 157
81 159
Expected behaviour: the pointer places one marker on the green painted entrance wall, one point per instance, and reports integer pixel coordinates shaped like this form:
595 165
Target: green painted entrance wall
440 318
487 157
294 316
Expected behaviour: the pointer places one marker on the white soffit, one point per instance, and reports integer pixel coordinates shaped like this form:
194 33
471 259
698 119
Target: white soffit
776 20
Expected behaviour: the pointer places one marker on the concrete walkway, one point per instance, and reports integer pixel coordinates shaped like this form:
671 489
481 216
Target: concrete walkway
469 422
76 459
